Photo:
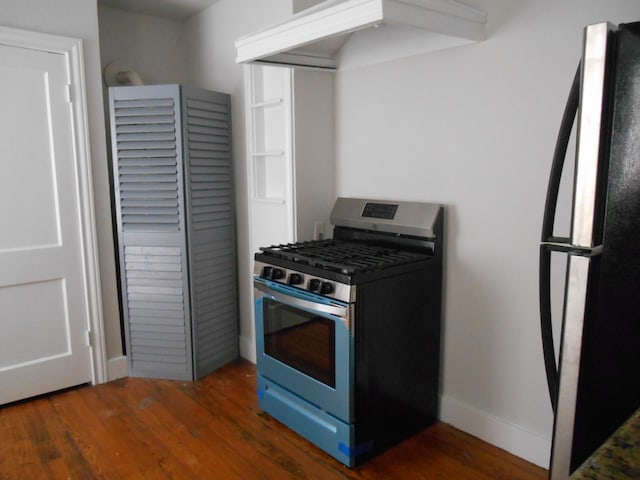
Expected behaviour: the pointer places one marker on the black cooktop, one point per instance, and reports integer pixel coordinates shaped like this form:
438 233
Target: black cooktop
342 257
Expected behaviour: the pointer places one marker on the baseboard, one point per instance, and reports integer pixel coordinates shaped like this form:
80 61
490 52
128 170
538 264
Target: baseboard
507 436
247 348
497 431
117 368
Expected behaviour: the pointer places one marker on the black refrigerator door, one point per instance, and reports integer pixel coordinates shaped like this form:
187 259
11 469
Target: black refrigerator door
609 384
599 366
551 243
584 245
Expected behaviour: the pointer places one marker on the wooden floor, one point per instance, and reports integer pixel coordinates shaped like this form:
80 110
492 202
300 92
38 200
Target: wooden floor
210 429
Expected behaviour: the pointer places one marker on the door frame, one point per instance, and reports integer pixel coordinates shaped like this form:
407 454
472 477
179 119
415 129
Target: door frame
71 49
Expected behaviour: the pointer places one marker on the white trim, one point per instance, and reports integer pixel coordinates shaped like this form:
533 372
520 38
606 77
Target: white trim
290 145
71 48
497 431
246 345
248 348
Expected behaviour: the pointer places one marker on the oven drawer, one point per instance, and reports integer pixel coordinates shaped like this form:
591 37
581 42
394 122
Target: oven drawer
327 432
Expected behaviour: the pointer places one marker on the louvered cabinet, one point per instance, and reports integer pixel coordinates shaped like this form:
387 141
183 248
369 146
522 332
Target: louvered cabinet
173 189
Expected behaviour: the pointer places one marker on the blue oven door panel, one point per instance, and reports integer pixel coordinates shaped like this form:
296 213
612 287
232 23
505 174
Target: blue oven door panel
325 431
335 399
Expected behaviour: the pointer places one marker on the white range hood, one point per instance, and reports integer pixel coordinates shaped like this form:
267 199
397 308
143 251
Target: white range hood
348 33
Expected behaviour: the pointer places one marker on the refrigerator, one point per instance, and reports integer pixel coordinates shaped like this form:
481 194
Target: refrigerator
594 379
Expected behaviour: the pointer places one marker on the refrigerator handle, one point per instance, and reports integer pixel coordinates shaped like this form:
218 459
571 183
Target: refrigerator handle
551 243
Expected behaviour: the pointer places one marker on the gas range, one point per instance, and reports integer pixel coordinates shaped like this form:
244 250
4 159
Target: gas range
348 328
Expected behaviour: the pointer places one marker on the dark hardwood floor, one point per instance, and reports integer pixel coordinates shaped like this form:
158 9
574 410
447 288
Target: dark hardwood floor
137 428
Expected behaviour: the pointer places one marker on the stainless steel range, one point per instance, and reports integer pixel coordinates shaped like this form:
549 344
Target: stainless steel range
348 329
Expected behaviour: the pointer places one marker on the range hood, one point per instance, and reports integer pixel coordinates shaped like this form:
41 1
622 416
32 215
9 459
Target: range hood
347 33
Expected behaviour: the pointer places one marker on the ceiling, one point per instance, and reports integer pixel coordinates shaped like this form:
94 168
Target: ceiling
172 9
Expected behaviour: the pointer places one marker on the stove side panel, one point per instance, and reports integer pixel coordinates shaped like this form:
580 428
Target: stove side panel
398 337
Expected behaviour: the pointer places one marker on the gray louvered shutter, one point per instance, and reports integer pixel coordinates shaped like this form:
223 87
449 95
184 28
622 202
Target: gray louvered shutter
173 186
147 154
149 188
206 119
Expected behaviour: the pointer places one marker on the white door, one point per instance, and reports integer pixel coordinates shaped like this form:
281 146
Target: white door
43 304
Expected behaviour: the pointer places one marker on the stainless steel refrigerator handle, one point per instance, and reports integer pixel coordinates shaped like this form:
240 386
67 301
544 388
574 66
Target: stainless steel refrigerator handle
338 311
589 144
570 351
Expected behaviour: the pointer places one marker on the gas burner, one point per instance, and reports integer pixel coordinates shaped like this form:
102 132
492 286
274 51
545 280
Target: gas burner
342 257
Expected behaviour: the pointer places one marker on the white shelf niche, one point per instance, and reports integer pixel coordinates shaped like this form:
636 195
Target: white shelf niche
270 155
270 177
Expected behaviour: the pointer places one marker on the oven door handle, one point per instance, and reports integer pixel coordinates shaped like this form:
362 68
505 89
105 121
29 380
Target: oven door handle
335 310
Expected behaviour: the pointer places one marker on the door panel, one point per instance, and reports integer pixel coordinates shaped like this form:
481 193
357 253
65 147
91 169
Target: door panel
52 339
28 162
44 319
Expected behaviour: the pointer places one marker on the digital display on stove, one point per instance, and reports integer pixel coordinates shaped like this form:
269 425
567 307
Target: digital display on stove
386 211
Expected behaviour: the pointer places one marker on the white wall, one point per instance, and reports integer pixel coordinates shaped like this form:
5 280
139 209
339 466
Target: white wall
314 114
474 128
210 43
78 18
155 47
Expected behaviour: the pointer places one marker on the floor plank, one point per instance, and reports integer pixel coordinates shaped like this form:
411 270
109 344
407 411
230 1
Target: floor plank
138 428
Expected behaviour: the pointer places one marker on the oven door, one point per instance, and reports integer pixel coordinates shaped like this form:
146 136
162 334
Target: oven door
304 344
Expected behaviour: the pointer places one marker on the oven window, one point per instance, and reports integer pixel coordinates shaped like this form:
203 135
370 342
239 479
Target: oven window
302 340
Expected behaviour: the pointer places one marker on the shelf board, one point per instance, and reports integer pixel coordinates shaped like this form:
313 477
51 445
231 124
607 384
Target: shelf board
268 103
274 200
269 153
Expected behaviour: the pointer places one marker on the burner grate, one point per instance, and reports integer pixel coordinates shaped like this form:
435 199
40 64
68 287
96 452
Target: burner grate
341 257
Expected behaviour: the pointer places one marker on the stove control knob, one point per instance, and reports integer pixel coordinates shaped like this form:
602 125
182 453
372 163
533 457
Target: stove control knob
314 285
277 274
294 279
326 288
266 272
